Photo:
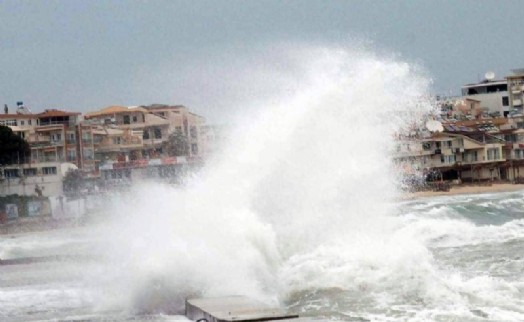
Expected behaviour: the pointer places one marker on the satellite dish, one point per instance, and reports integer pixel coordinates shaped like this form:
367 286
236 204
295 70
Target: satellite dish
434 126
490 76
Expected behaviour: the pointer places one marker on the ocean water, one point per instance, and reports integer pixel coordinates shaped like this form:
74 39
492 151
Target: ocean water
455 258
299 209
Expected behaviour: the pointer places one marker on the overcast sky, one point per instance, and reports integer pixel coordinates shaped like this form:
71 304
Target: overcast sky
85 55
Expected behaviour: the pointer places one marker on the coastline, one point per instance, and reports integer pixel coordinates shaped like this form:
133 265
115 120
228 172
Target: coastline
465 189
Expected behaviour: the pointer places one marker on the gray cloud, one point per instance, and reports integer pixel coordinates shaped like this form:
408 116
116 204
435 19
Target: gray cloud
209 55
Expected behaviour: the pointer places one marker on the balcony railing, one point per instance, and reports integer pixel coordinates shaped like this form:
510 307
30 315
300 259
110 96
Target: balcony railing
46 159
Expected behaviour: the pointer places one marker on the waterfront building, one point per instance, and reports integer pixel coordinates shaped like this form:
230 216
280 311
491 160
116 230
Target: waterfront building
52 137
493 95
468 151
131 142
516 89
116 142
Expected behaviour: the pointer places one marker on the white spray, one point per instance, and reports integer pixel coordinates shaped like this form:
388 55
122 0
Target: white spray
300 198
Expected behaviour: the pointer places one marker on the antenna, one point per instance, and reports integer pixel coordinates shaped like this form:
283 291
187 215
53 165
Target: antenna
434 126
490 76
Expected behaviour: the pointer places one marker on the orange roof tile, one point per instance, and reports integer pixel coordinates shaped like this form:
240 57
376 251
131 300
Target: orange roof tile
115 110
18 116
55 113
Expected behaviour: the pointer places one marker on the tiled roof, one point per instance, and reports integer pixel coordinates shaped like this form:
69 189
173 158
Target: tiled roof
18 116
115 110
55 113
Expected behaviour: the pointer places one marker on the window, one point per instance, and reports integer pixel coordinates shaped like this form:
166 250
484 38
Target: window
135 119
11 173
56 137
442 158
8 122
449 144
194 148
71 155
117 140
505 101
426 146
158 133
145 136
493 154
48 171
437 144
29 122
31 172
193 132
126 119
22 123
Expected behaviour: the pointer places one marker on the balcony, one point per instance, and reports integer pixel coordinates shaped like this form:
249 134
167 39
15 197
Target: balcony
124 143
46 158
154 141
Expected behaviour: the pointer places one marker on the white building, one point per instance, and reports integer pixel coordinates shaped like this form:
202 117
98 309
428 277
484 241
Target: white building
493 96
34 178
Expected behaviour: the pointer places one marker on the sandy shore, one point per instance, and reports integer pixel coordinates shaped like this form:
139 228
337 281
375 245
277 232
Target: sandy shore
466 189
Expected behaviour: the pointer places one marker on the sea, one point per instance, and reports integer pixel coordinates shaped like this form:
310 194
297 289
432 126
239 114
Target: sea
452 258
301 207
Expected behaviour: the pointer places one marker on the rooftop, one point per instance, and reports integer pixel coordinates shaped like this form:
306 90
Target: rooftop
486 83
115 109
46 113
56 113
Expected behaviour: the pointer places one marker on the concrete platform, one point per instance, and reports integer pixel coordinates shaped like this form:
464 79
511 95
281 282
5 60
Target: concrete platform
234 308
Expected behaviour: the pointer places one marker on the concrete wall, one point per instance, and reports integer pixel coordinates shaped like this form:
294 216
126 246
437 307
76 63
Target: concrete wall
493 101
50 184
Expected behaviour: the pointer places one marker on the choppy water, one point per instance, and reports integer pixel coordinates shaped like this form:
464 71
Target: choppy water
468 267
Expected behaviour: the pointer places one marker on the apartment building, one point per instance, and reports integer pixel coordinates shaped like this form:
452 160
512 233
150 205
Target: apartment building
129 142
191 125
52 137
516 90
492 94
472 150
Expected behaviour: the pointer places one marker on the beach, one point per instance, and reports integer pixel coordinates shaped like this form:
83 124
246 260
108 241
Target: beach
466 189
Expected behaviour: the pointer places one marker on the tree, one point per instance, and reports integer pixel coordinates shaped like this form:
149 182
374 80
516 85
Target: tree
73 182
176 144
13 148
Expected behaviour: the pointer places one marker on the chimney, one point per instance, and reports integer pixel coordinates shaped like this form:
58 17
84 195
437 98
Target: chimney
6 109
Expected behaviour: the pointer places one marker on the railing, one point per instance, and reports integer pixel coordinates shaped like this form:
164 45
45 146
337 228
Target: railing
57 142
46 159
69 123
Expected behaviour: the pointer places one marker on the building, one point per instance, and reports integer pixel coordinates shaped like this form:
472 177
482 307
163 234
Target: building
117 142
492 94
516 88
130 142
191 125
471 150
